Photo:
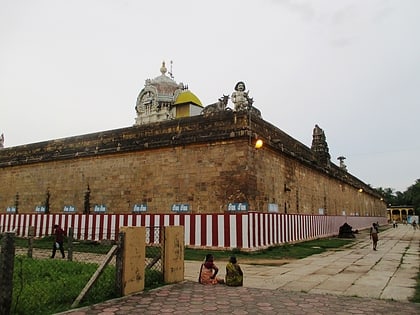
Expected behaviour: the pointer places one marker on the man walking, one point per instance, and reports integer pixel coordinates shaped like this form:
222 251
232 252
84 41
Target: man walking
374 235
59 240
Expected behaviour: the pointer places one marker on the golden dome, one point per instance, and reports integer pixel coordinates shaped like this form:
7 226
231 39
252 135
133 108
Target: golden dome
187 96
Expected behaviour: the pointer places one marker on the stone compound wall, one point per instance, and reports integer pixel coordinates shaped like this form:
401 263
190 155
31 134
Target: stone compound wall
205 163
297 188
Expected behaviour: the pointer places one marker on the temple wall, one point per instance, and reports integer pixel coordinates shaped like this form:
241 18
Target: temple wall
296 188
158 178
202 163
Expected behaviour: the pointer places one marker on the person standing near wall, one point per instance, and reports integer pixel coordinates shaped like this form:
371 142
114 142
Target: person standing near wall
374 235
58 240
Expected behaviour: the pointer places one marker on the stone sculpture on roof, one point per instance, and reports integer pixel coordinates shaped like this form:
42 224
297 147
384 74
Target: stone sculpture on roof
242 101
342 165
163 99
320 146
220 105
240 98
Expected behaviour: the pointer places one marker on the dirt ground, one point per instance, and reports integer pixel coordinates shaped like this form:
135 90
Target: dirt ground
265 262
97 258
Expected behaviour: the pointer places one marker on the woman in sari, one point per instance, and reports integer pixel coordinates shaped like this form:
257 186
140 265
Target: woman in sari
234 274
208 272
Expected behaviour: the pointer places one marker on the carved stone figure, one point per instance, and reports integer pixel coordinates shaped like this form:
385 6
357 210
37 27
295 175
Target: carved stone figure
240 98
216 107
342 165
2 141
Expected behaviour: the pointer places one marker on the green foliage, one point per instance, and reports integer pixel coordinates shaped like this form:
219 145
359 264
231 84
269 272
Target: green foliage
287 251
153 279
51 286
410 197
413 196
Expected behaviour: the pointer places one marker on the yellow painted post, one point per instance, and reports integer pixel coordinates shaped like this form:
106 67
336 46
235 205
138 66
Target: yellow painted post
173 257
134 255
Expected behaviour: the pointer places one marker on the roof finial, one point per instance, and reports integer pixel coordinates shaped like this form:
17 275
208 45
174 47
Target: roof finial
163 68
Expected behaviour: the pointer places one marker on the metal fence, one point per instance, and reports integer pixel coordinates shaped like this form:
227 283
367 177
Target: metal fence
154 250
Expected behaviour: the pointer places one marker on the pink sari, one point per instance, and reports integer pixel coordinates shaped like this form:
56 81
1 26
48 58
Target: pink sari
205 276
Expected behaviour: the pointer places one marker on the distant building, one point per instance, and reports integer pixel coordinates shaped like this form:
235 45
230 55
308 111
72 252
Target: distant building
399 213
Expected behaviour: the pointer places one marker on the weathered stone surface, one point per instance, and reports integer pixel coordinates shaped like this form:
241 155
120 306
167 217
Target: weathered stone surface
206 162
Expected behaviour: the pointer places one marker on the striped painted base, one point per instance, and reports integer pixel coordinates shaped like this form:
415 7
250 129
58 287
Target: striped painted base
249 231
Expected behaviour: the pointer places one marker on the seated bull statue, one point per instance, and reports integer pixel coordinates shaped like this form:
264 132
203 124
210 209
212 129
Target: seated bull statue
219 106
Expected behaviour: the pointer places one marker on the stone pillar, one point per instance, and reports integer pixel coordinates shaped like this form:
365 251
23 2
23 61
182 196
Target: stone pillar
173 258
133 259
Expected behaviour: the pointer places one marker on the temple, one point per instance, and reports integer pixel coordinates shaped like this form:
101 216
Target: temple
181 156
163 99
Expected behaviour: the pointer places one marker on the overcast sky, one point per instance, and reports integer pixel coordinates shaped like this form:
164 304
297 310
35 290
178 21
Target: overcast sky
69 68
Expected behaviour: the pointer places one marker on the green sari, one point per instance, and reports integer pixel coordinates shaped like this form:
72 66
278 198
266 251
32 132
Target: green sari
234 275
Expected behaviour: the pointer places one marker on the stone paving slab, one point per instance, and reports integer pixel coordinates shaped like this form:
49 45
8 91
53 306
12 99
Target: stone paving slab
193 298
366 282
396 293
364 290
356 271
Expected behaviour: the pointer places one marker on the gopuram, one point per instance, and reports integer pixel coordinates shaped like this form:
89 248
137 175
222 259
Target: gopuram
181 156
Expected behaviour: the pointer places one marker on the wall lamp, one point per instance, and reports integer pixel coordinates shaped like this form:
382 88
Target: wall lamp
259 144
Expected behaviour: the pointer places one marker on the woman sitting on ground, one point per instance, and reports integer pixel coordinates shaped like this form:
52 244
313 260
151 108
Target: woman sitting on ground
208 272
234 274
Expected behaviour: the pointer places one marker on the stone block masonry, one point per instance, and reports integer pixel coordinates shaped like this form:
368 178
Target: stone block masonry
196 164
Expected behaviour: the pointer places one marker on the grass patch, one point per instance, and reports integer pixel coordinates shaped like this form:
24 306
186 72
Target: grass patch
50 286
416 297
287 251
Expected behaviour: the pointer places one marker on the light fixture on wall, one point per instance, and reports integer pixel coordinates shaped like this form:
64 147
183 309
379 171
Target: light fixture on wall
259 144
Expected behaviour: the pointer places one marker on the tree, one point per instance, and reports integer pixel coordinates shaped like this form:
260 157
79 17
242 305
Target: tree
413 196
388 194
410 197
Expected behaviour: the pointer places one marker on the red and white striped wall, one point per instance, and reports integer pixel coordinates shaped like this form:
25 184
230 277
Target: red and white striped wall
250 230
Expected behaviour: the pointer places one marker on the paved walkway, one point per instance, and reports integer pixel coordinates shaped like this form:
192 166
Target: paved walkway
354 280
